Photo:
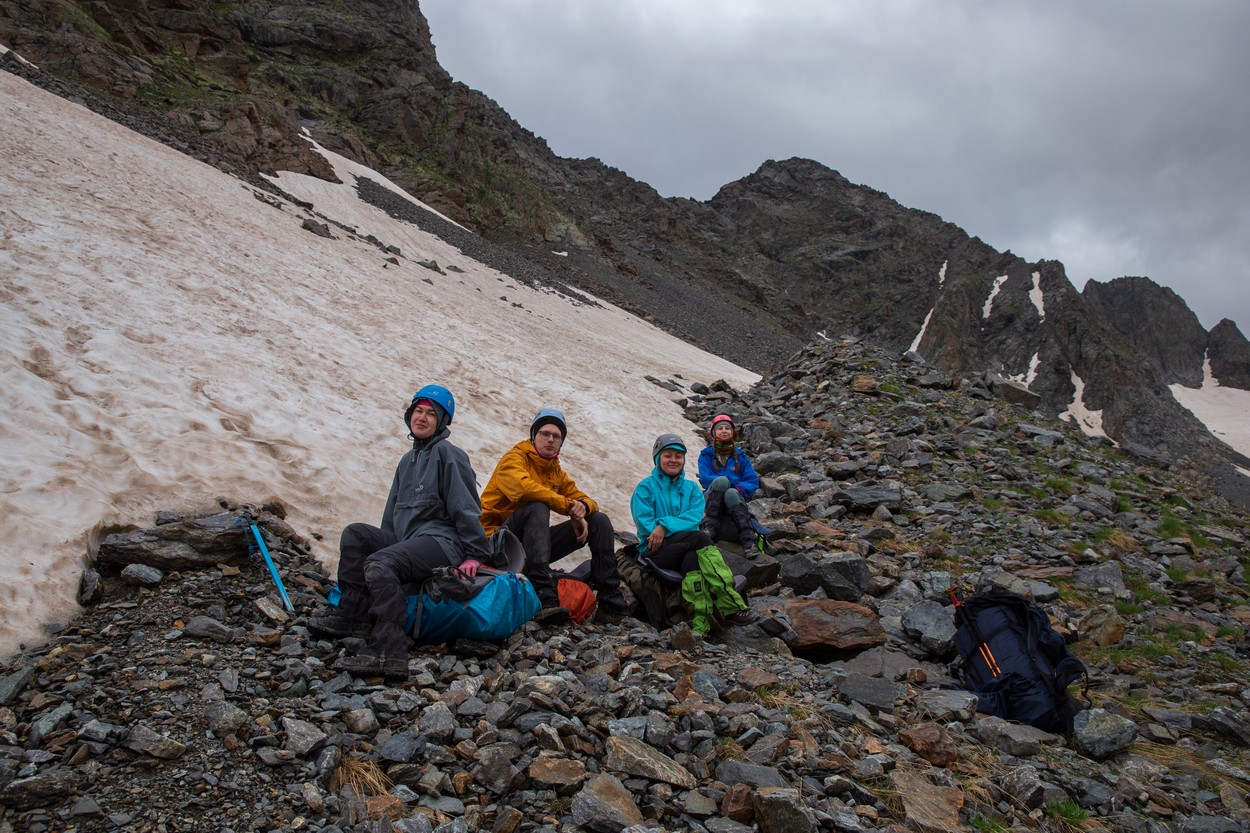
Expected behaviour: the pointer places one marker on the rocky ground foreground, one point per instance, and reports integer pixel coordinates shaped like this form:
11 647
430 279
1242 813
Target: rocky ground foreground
184 698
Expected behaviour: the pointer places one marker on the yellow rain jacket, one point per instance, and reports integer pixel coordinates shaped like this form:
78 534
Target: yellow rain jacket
523 476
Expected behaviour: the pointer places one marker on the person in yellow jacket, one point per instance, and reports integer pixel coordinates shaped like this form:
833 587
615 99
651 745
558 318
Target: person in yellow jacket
525 488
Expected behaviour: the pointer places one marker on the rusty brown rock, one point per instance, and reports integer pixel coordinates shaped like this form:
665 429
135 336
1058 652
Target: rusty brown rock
931 742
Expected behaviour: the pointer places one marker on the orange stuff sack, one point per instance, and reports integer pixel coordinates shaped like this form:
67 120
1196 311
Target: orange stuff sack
577 597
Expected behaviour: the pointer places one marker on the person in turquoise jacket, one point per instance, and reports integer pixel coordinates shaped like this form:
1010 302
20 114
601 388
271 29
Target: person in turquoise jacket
728 477
667 509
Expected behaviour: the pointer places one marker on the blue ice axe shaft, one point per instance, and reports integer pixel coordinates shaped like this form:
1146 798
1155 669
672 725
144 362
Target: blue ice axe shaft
273 569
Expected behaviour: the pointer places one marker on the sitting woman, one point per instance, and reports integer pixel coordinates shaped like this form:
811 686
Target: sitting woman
728 477
667 509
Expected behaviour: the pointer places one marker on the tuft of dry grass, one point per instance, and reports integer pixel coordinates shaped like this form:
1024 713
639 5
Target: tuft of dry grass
1179 759
889 796
785 700
1117 540
365 778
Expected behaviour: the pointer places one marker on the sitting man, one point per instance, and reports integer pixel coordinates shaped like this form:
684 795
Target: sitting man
430 521
528 485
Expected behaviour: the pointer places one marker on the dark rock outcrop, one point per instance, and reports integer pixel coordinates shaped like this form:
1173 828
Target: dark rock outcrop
1157 324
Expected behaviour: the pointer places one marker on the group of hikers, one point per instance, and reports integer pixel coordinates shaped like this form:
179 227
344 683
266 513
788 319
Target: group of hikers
434 519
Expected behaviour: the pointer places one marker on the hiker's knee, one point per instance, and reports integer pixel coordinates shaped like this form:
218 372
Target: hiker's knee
599 524
534 512
380 571
720 484
354 535
732 498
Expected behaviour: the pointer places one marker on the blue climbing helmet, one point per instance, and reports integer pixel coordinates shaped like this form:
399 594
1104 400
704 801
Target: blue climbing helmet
548 416
437 394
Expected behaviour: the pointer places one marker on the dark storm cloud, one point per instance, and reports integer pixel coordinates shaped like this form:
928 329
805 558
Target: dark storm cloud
1112 136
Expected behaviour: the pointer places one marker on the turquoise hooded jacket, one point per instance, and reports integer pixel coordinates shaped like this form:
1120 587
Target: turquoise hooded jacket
674 503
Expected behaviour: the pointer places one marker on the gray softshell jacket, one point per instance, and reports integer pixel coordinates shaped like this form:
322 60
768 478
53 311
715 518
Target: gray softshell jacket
435 493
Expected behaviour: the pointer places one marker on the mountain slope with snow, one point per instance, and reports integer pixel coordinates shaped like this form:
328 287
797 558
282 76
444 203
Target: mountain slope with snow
169 335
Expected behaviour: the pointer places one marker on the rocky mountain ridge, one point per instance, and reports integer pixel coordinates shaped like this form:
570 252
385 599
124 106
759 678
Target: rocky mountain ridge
751 274
185 698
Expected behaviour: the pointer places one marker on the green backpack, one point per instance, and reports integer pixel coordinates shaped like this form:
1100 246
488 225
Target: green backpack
709 591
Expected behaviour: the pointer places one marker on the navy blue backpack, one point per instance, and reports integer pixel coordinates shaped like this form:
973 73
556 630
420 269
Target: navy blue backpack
1015 662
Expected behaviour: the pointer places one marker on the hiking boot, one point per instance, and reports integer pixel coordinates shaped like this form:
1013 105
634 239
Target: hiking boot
612 607
742 617
553 616
337 626
368 663
614 601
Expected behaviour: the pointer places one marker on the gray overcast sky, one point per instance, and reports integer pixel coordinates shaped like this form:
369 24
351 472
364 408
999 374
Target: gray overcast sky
1113 136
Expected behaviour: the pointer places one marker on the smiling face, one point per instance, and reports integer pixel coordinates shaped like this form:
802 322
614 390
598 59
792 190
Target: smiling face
424 420
672 461
723 431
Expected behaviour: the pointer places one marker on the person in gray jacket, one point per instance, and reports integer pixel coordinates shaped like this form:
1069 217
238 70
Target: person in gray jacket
431 520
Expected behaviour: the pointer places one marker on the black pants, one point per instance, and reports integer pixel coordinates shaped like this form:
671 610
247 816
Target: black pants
373 569
545 543
680 550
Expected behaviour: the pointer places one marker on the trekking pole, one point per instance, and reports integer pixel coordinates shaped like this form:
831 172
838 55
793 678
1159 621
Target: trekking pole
264 551
983 648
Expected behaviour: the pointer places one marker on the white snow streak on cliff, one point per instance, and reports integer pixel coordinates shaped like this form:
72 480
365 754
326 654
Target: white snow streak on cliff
915 344
1036 296
989 301
1089 421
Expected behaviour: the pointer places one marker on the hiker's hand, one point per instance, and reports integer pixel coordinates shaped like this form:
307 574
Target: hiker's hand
656 539
468 567
577 510
581 529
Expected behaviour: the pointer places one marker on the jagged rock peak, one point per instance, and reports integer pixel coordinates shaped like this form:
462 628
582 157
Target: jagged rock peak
1229 354
1156 322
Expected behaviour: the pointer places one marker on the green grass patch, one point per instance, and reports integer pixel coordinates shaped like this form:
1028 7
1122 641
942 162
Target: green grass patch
1073 596
1170 527
1222 660
1140 657
1229 632
1062 485
1179 633
1127 607
1177 574
1068 812
985 824
1050 516
1142 591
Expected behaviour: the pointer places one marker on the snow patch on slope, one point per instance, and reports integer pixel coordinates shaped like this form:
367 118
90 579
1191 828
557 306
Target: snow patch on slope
169 335
1225 411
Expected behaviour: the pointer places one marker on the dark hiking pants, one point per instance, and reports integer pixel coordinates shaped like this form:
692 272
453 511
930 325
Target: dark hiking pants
373 569
544 543
680 551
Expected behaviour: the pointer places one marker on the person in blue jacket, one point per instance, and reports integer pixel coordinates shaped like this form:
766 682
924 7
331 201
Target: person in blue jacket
667 508
431 520
729 480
